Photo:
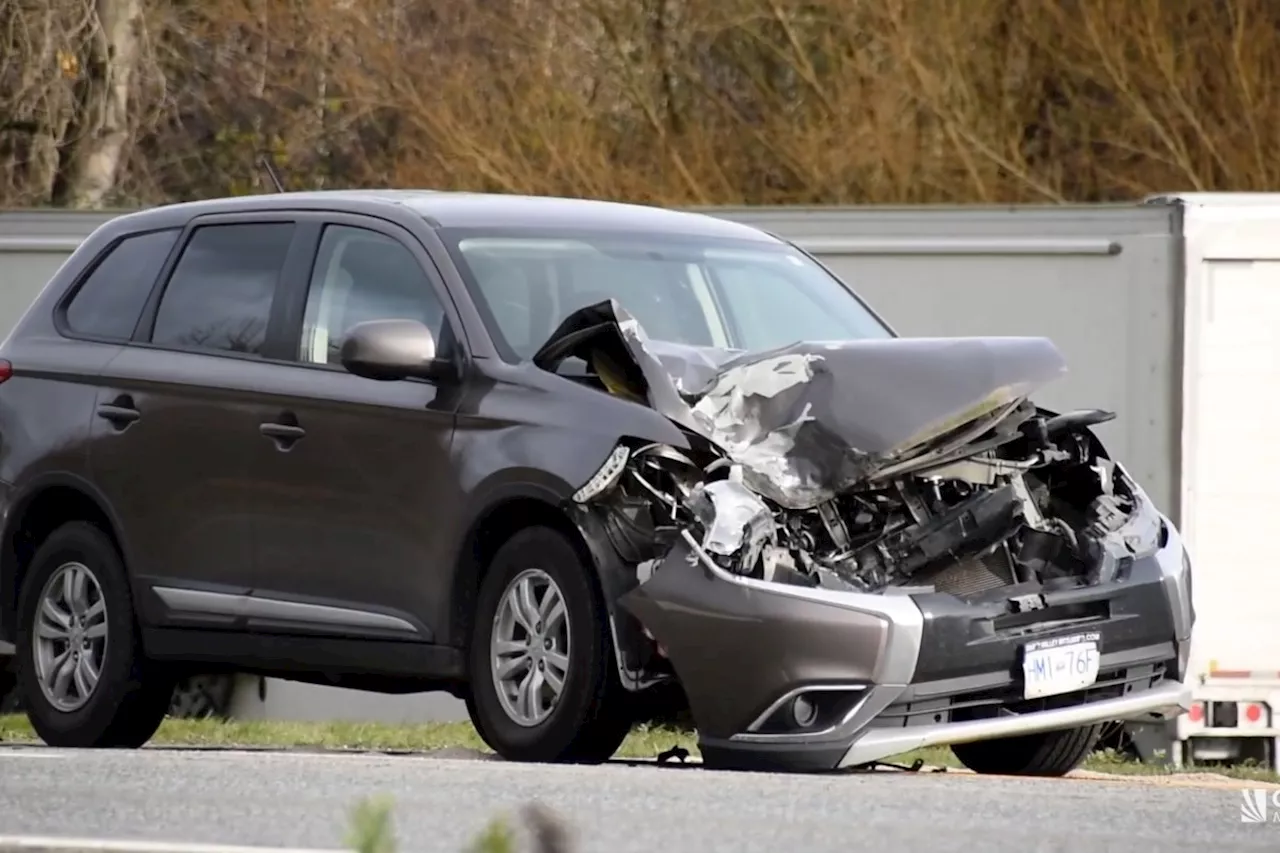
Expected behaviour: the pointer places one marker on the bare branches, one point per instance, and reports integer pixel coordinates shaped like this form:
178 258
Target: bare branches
667 101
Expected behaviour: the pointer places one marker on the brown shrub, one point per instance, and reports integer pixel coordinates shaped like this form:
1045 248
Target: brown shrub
669 101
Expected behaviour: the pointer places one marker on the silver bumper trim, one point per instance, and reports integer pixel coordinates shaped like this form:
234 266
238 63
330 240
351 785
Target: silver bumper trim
1170 698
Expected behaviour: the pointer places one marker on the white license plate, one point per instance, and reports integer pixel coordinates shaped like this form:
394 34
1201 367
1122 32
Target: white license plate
1060 665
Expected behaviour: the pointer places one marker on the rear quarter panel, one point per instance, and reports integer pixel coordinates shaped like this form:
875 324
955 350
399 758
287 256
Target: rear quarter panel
45 413
46 407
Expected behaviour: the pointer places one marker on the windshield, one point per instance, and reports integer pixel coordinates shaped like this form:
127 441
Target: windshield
733 294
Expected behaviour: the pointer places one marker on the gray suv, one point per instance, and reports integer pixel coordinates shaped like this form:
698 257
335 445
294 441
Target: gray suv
559 457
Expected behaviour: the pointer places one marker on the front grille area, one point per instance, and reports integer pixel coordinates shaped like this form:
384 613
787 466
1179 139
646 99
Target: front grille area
977 704
973 576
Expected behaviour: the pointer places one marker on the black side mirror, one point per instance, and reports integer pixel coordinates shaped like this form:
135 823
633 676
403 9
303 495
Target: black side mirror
392 349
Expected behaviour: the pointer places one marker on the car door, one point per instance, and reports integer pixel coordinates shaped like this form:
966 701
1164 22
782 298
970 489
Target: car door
177 420
356 538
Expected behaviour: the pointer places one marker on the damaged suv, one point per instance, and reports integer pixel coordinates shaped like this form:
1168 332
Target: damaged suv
560 457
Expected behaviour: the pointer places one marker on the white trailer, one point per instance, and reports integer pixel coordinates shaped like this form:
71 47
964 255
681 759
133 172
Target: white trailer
1230 468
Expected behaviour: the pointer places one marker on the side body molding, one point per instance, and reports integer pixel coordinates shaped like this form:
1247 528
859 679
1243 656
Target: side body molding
255 610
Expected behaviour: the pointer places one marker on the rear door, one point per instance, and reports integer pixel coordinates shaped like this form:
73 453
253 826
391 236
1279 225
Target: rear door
177 417
355 538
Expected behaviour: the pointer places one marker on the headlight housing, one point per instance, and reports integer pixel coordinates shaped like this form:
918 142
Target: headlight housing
608 474
1144 532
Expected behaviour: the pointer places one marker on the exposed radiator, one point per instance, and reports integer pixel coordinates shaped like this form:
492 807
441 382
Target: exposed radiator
971 577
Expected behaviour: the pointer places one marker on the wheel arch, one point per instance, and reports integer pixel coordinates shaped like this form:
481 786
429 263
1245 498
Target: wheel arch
516 508
41 507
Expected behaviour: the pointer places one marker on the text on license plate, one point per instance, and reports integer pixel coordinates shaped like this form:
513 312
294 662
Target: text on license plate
1060 665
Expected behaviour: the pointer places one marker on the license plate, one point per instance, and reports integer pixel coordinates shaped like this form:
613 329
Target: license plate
1060 665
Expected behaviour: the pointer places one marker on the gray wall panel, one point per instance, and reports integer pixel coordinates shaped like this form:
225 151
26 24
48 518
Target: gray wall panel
33 244
23 272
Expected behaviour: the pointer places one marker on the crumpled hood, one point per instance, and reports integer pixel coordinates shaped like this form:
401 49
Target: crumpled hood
812 419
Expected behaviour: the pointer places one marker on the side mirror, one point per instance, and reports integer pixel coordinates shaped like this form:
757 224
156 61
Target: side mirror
392 349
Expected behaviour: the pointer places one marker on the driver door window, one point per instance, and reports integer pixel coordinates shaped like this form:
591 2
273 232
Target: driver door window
363 275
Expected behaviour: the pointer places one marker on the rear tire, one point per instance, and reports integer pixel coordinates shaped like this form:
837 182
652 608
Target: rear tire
589 720
130 696
1043 754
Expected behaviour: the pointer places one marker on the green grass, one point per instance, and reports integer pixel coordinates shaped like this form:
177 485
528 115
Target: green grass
643 742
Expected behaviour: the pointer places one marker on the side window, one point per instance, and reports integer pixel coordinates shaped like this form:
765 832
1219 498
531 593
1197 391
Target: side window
109 302
362 275
219 296
510 287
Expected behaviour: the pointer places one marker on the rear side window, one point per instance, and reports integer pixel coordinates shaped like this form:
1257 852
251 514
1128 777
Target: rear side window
109 302
219 296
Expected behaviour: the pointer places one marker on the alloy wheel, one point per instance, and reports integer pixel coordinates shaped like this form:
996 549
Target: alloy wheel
530 647
70 637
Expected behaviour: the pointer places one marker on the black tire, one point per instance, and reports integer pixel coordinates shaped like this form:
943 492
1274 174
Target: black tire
132 694
1044 754
589 722
202 697
8 686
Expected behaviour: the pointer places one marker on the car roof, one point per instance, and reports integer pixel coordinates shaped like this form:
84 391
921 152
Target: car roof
469 210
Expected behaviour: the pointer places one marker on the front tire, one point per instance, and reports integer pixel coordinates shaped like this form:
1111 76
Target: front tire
544 680
84 679
1043 754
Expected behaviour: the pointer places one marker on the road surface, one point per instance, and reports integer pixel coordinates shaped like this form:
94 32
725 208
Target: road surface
302 800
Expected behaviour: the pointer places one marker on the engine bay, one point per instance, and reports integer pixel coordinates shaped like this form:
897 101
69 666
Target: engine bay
1032 510
901 466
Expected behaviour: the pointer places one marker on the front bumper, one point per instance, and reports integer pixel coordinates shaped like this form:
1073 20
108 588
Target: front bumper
885 674
1166 699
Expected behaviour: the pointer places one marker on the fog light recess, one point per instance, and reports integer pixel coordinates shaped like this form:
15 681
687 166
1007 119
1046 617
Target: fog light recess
803 711
809 710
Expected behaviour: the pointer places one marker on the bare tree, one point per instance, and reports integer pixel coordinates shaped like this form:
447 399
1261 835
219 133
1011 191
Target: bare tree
667 101
94 142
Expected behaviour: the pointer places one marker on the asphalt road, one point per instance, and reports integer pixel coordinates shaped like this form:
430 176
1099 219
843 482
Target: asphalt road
302 799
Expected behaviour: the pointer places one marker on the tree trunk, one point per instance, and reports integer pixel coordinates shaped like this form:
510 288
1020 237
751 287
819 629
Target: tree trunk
99 129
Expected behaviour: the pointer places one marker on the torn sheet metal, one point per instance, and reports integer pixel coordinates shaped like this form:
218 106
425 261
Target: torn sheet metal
736 521
809 420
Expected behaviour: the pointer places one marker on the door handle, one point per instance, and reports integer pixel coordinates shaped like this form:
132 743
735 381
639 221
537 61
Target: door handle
283 434
120 411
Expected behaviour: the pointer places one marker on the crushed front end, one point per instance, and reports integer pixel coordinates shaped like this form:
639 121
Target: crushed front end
875 546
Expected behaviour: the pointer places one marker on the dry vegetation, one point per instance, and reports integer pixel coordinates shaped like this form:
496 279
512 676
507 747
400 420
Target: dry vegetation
119 102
